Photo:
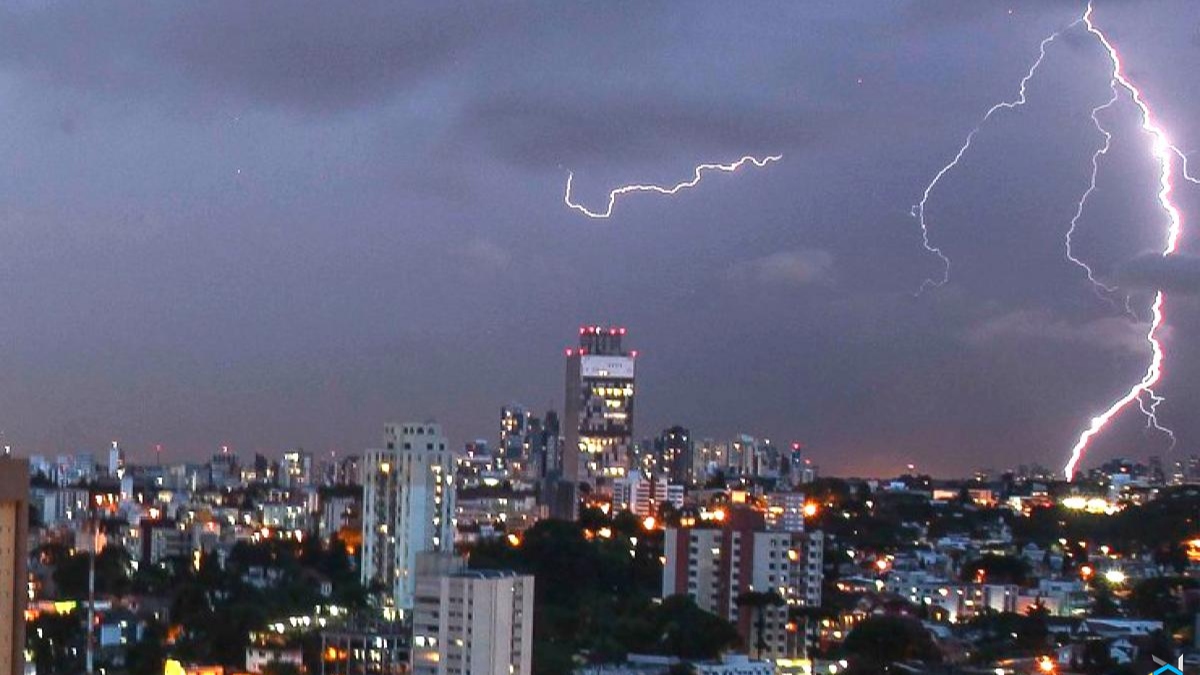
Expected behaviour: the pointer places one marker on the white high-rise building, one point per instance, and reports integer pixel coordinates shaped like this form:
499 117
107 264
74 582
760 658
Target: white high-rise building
295 470
716 565
471 622
408 507
644 497
116 461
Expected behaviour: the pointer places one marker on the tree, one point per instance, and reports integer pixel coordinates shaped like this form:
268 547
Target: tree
592 597
688 632
997 569
1007 635
55 642
1103 602
146 656
1163 598
879 641
1173 555
1096 659
112 573
759 601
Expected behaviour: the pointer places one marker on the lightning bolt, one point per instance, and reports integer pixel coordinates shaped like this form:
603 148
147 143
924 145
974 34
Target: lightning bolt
918 209
1183 161
1100 288
1165 153
697 175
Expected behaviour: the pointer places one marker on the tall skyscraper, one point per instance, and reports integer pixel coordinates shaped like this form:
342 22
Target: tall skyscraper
673 453
408 507
545 447
116 460
598 420
515 421
471 622
516 424
14 519
223 468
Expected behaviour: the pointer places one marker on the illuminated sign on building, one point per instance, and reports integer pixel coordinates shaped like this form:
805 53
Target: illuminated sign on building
606 366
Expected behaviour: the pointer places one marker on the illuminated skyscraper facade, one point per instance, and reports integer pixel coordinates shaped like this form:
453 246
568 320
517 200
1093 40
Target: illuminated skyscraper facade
598 419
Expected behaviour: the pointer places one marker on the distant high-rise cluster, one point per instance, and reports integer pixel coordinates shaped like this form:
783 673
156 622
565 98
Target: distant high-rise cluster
400 514
529 445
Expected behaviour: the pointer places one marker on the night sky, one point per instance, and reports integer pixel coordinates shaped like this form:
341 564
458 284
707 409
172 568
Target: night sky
281 223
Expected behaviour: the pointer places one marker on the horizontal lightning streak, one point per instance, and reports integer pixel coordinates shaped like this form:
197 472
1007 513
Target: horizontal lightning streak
698 174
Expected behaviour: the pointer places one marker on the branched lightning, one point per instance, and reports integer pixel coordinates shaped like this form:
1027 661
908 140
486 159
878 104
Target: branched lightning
1150 411
1100 287
918 209
697 175
1152 375
1183 161
1164 153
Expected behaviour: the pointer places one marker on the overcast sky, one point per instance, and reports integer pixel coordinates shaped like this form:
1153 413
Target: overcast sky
282 223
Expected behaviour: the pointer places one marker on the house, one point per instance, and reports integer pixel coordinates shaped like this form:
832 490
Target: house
1119 628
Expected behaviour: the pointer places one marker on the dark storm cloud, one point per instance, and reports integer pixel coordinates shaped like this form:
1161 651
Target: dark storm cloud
927 12
532 130
1153 271
307 55
488 253
1110 334
285 223
784 268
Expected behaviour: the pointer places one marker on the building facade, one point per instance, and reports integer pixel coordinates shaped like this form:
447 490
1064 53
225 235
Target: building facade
365 646
471 622
645 496
408 507
296 469
598 412
673 452
515 426
14 521
729 570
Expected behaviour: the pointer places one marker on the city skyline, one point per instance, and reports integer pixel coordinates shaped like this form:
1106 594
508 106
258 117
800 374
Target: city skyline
200 254
547 338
